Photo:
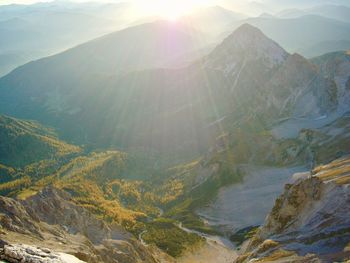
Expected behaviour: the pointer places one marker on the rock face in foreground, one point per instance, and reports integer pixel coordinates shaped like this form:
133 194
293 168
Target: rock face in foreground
24 254
54 229
310 221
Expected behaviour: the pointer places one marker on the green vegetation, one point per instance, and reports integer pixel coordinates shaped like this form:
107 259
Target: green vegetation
243 234
167 236
279 254
93 183
124 188
26 142
223 172
6 173
18 184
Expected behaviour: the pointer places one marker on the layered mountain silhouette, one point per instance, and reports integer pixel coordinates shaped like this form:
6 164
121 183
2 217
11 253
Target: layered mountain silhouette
248 76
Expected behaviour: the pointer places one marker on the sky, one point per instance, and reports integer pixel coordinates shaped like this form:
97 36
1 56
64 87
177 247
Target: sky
3 2
171 9
6 2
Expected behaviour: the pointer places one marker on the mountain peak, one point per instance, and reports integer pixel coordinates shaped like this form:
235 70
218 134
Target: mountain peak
249 37
247 28
248 43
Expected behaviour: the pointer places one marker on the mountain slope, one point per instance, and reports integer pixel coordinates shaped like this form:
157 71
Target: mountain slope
309 222
51 220
39 30
264 75
337 66
73 85
102 183
248 43
176 113
144 46
39 34
218 111
25 142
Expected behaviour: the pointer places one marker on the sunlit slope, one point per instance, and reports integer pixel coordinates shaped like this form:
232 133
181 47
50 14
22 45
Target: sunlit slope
101 183
143 46
174 112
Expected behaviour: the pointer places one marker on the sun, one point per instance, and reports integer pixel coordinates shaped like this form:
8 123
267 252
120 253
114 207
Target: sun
171 10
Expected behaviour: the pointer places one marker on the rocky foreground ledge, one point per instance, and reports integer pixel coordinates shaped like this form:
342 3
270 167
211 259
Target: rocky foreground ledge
310 221
55 230
29 254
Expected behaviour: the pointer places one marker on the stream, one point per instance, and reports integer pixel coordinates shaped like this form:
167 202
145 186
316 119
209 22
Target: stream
236 207
217 249
218 240
141 240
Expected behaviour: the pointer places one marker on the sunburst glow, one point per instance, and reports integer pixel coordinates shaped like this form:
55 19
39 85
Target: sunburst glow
170 9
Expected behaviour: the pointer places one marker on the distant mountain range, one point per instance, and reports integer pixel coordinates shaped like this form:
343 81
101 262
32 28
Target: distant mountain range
35 31
336 12
30 32
106 83
42 29
308 34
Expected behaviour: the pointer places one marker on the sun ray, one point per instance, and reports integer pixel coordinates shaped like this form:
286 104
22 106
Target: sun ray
170 10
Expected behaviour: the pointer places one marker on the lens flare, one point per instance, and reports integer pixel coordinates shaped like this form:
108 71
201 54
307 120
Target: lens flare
170 9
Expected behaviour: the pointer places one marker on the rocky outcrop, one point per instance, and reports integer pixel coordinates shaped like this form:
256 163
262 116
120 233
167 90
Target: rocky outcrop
243 48
295 200
336 66
15 217
270 84
51 220
29 254
54 207
310 221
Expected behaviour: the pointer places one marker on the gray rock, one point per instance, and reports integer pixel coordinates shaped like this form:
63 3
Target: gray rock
28 254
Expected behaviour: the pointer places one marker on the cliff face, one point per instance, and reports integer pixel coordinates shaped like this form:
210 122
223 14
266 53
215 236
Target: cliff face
49 223
310 221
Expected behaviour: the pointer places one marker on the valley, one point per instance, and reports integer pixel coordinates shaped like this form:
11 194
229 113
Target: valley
176 141
254 198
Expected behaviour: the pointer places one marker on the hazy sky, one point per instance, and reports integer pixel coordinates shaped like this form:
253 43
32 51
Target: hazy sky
34 1
175 8
5 2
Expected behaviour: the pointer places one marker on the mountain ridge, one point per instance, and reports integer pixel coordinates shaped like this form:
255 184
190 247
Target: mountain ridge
245 78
